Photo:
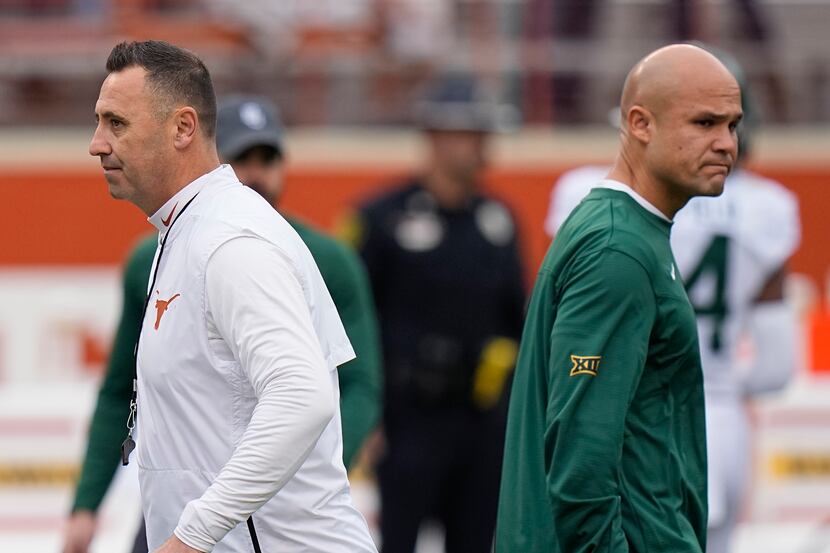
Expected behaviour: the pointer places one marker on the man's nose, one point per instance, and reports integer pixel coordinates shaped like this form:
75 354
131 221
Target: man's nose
726 141
98 146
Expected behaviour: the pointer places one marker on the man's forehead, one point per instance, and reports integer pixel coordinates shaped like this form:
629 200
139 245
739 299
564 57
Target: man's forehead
121 89
725 105
130 77
725 100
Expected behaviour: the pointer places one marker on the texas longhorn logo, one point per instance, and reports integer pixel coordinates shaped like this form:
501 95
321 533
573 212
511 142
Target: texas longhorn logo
585 364
161 307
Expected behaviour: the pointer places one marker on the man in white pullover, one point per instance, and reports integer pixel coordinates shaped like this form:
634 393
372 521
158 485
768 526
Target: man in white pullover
237 391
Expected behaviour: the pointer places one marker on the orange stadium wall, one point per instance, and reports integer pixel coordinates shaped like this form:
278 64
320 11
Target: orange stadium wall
66 218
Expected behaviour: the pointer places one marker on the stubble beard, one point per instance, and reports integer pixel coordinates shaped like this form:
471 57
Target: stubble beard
116 187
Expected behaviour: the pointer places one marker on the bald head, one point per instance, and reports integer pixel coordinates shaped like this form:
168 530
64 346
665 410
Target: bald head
680 113
671 72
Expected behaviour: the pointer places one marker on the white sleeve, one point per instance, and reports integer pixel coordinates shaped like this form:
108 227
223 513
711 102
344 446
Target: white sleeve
257 304
568 191
774 233
773 328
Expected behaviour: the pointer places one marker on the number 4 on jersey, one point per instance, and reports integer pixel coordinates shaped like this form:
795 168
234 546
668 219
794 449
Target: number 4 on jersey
714 263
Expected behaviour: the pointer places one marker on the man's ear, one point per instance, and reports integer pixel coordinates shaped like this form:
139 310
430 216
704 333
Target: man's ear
640 123
187 125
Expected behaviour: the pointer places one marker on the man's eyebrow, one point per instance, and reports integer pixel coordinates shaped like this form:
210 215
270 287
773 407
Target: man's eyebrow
109 115
718 116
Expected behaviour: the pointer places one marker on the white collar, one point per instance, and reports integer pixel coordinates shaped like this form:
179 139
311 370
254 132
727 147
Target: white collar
622 187
166 214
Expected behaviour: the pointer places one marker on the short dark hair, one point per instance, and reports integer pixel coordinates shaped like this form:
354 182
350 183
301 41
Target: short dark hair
172 72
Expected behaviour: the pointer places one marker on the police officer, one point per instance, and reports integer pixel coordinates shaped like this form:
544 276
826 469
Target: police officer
444 262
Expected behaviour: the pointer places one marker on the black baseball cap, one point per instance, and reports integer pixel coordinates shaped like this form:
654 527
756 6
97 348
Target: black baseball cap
245 122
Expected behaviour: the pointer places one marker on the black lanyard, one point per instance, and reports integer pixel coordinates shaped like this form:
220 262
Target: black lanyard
128 445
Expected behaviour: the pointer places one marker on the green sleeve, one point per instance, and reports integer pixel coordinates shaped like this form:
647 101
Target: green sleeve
360 379
108 426
599 343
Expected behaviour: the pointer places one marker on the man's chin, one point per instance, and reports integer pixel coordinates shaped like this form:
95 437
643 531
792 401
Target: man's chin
713 188
116 189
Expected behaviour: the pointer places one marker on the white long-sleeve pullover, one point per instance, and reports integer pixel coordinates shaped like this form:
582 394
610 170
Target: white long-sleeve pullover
238 395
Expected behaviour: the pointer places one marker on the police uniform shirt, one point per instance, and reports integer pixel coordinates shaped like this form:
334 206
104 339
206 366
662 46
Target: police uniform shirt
445 283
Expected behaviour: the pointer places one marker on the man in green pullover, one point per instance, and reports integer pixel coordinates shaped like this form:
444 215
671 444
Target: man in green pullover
249 137
606 442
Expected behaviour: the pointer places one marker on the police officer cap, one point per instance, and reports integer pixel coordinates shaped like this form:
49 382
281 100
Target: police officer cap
245 122
456 102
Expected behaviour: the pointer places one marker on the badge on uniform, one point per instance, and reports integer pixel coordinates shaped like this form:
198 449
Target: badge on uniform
419 232
585 364
494 223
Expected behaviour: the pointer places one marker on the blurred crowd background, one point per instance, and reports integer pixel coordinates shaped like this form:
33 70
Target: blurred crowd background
347 76
359 62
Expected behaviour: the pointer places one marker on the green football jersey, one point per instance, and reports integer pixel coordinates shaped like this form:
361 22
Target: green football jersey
606 440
